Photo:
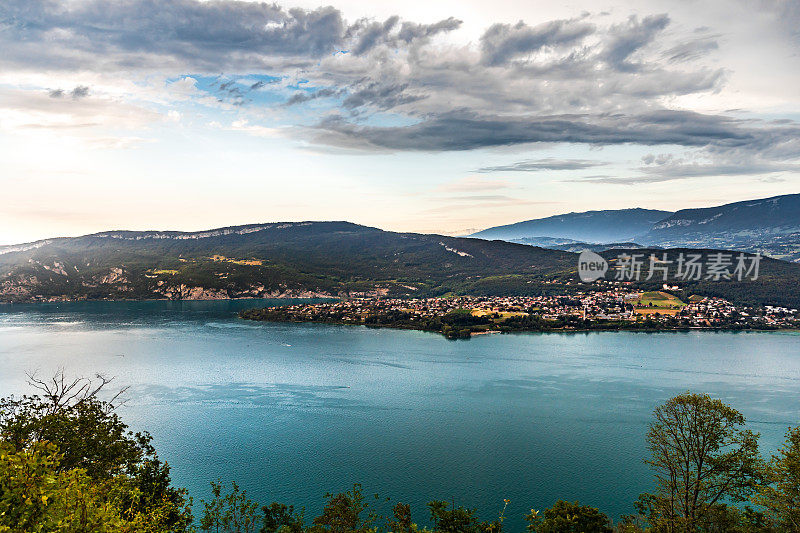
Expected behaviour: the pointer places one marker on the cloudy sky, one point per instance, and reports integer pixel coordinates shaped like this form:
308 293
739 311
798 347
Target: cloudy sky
445 116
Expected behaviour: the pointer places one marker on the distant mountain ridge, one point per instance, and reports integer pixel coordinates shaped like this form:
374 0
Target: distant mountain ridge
778 214
613 225
768 225
131 235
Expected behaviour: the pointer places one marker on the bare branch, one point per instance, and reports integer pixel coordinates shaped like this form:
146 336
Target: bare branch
62 393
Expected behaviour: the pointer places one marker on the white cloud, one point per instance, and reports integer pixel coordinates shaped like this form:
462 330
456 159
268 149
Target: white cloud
256 130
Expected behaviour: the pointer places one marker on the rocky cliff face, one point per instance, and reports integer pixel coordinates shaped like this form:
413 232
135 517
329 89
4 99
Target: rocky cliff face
185 292
61 283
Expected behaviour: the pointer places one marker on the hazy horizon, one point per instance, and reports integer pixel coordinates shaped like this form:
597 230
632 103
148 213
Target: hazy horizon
299 221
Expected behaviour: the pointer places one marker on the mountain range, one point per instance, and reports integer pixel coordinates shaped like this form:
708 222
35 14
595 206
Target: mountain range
770 226
299 259
591 226
318 259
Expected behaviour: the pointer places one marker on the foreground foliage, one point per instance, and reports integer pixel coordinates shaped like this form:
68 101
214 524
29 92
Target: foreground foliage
781 496
69 464
702 455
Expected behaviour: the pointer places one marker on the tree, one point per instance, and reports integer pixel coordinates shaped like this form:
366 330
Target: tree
567 517
89 437
401 519
67 413
342 513
780 496
278 516
36 495
702 457
459 519
231 512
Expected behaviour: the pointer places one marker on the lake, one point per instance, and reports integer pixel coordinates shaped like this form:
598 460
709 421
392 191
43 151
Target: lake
292 411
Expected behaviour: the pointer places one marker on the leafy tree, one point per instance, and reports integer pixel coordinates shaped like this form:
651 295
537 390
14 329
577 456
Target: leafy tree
37 495
68 413
91 438
401 519
459 519
151 489
343 513
231 512
703 457
630 524
568 517
729 519
780 497
279 517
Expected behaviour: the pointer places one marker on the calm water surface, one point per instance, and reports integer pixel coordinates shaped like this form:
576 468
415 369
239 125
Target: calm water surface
292 411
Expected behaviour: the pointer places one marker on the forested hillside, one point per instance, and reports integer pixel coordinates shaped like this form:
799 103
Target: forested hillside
285 259
321 259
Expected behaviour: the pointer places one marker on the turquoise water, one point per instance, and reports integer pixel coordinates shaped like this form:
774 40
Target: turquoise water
292 411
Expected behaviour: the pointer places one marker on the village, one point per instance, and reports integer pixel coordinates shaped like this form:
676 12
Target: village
619 307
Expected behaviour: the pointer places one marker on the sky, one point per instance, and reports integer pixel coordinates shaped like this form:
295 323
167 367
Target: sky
437 117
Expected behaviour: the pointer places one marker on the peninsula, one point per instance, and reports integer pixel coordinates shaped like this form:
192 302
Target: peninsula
619 308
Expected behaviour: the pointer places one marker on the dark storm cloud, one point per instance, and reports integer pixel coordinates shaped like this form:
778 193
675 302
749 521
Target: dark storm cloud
689 171
663 167
80 91
467 131
190 30
366 93
504 42
695 170
536 165
216 35
369 34
377 65
703 163
411 31
301 96
379 95
628 38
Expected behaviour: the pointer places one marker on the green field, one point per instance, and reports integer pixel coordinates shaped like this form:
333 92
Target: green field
658 300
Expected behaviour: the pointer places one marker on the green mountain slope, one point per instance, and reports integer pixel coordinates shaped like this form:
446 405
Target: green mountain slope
314 259
283 259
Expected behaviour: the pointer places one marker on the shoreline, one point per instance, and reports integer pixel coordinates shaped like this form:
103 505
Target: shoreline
477 333
552 330
618 309
99 300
